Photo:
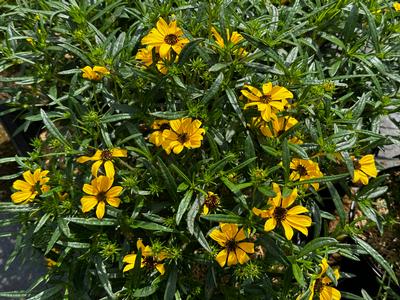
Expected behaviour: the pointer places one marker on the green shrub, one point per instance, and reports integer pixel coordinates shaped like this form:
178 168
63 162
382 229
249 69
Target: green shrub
198 149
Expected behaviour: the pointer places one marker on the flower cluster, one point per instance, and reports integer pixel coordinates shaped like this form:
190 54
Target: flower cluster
33 185
175 135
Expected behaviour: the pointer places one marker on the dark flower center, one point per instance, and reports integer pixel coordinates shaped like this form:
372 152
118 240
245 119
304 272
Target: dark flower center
212 201
171 39
265 99
357 164
183 137
101 196
149 262
318 285
231 245
278 133
106 155
301 170
164 126
280 213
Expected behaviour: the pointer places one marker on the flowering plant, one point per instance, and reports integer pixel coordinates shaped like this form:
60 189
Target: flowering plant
198 150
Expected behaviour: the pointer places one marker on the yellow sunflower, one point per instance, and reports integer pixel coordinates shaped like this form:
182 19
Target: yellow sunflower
99 192
104 156
156 137
304 169
396 6
271 100
233 39
183 133
211 202
164 37
364 167
278 126
230 237
145 55
34 184
148 259
278 212
321 285
96 73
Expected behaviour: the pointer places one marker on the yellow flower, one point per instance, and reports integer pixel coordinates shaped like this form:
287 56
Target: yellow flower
233 39
321 284
304 169
396 6
148 258
271 100
104 156
278 212
364 167
183 133
96 73
279 126
230 237
34 184
158 126
99 192
145 55
164 37
211 202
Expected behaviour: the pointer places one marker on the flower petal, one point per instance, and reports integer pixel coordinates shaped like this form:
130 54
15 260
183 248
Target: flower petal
160 268
109 167
232 259
247 247
221 257
115 191
114 201
218 236
88 203
242 257
130 258
288 229
116 152
95 167
104 183
229 230
90 189
22 185
20 197
28 176
100 210
270 224
296 210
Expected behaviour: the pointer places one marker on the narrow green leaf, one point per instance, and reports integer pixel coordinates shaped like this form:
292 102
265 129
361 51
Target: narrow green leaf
148 290
14 294
286 159
320 179
114 118
378 258
298 274
201 238
191 215
317 244
213 89
103 276
150 226
183 206
48 294
41 222
351 23
249 150
169 115
92 221
171 284
53 129
224 218
169 179
337 200
219 66
373 32
234 102
188 50
53 239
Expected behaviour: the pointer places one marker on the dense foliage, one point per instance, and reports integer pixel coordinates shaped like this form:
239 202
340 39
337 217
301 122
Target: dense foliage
198 149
